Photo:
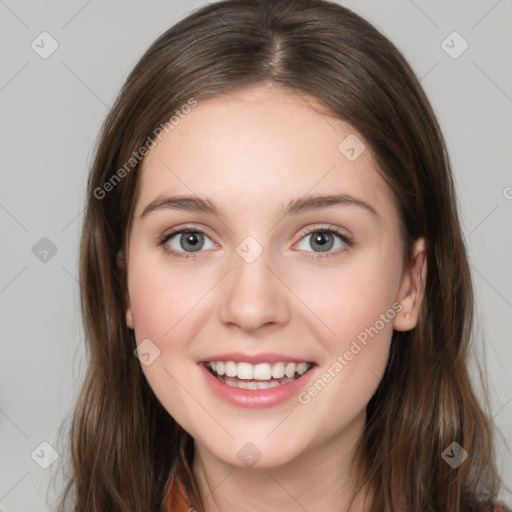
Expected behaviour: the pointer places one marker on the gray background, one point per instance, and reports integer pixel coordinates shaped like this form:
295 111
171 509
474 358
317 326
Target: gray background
51 112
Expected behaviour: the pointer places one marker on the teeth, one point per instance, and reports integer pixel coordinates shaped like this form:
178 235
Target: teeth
302 368
244 371
231 369
278 370
257 385
260 371
289 371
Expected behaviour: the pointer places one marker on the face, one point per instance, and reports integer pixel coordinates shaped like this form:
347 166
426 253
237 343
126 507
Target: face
262 278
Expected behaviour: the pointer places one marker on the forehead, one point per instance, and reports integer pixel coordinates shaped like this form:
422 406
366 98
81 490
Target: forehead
260 146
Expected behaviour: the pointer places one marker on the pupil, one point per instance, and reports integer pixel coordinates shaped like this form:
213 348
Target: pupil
323 244
193 239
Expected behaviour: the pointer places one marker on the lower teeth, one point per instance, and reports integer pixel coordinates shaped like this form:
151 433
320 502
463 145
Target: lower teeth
254 384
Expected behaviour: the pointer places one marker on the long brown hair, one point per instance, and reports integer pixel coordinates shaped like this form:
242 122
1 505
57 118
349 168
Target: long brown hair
123 443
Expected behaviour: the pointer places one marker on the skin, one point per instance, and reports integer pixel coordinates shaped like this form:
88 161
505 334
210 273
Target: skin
251 152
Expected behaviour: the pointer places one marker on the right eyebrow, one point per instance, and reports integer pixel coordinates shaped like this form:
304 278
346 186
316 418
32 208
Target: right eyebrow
186 203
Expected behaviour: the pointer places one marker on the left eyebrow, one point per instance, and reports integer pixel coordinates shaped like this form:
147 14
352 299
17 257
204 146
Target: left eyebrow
294 207
317 202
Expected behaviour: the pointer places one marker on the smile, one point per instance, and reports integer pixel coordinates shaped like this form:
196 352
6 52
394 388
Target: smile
249 376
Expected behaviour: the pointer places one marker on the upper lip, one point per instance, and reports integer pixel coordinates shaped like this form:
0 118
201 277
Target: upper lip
265 357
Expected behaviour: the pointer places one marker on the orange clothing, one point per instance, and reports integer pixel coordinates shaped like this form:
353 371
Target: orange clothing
176 499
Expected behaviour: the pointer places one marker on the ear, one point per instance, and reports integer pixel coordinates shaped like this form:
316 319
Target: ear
410 294
121 264
129 317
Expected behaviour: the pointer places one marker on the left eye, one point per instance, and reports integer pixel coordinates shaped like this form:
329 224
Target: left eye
323 240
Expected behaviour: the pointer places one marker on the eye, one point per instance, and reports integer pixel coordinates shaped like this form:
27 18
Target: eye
184 242
323 240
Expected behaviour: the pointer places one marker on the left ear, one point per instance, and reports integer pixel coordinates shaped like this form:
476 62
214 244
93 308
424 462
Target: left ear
410 295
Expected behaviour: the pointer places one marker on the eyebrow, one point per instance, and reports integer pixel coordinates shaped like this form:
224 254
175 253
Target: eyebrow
294 207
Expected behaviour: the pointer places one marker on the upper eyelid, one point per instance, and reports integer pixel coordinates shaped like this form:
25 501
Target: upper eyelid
324 227
302 233
187 229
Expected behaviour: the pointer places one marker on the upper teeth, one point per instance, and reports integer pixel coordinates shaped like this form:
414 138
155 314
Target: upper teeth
260 371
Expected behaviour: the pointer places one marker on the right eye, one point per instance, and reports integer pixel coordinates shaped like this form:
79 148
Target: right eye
184 242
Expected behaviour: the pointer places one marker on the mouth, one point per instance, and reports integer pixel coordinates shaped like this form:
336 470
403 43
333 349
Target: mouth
249 376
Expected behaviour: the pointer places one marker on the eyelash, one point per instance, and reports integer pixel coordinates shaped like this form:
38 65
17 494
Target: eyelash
316 229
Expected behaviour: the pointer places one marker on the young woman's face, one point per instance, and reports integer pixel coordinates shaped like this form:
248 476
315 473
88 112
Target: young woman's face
264 280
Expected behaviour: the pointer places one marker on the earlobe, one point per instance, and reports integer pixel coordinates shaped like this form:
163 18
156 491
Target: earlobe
121 263
129 318
412 288
128 314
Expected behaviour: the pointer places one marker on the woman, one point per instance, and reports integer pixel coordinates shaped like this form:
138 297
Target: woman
305 345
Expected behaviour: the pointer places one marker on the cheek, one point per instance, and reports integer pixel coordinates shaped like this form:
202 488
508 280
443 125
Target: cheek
353 298
357 304
160 298
356 357
165 304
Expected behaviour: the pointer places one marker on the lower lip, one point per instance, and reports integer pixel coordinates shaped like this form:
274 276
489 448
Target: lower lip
256 398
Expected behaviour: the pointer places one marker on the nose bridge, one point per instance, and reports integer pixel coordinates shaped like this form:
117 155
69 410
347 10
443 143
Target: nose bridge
253 296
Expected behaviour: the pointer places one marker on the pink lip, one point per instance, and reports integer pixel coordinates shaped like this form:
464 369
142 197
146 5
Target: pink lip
257 398
265 357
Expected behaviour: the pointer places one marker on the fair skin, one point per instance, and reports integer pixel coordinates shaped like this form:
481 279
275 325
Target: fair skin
251 152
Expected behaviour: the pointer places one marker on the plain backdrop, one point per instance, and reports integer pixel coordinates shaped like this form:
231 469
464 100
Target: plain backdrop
51 112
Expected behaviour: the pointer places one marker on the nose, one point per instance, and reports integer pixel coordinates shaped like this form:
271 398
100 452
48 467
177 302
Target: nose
253 296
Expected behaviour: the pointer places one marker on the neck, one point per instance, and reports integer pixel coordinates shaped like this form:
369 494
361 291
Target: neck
320 478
